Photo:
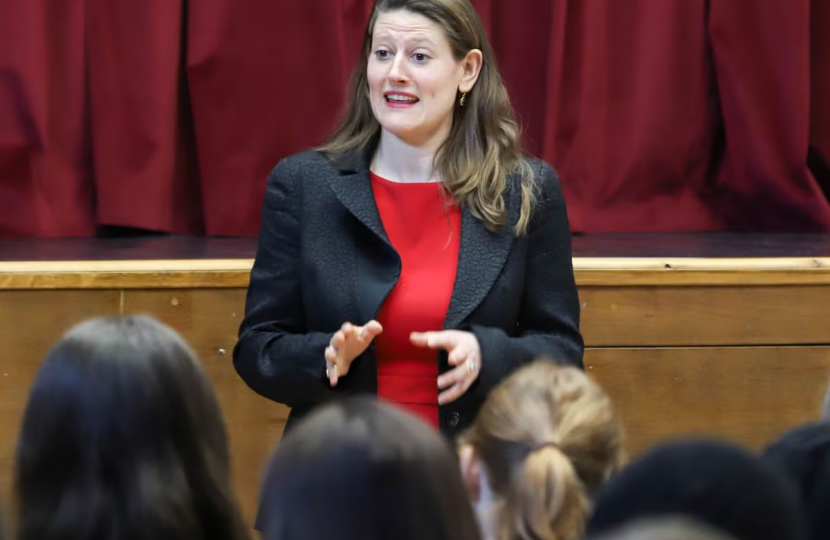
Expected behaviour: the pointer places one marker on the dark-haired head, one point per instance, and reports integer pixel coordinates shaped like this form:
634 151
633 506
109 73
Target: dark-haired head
804 455
359 469
718 484
665 529
123 438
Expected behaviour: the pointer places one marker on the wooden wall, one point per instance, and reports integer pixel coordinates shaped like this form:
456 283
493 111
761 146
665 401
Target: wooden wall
733 348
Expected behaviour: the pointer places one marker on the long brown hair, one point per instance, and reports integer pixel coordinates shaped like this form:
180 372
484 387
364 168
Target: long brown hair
547 438
483 147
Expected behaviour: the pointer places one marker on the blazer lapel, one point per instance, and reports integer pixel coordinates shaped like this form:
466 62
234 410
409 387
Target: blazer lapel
376 270
353 188
482 254
481 257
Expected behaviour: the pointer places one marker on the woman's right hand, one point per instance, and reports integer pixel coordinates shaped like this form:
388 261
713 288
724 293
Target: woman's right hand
347 344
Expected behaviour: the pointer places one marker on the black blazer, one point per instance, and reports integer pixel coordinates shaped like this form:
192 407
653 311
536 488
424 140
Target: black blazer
324 259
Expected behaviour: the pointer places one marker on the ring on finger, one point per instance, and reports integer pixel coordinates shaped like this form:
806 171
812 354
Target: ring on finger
330 370
471 365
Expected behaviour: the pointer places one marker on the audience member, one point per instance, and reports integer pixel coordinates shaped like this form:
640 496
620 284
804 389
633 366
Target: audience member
360 469
542 444
716 483
664 529
123 439
804 454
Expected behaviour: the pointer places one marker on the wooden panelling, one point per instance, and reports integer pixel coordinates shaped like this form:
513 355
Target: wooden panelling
30 323
209 319
746 394
691 316
729 348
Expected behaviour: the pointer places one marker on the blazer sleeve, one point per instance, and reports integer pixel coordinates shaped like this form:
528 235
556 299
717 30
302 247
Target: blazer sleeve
549 318
275 355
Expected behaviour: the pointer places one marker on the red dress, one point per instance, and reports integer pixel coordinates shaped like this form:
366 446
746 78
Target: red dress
425 229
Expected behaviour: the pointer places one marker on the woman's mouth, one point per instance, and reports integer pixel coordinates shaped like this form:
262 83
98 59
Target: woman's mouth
397 99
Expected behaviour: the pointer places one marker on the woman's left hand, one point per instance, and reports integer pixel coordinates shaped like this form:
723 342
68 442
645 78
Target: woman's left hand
463 351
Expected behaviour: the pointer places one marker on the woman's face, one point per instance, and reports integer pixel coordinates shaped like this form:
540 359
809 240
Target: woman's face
414 78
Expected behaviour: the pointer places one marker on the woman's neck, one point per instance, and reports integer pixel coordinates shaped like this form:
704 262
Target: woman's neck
397 161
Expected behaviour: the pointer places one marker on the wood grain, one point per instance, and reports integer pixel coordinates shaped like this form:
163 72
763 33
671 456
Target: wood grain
693 316
30 323
749 395
218 273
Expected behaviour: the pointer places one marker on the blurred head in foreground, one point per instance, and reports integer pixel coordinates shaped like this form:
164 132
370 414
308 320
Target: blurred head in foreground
362 470
123 438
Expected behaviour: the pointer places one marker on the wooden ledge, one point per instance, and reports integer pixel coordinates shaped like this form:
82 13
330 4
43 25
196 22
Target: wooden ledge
589 271
646 271
167 274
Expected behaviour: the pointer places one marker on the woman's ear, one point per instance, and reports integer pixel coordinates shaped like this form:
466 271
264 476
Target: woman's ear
470 471
471 68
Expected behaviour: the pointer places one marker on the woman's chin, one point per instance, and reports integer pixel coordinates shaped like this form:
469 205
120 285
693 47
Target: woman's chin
406 133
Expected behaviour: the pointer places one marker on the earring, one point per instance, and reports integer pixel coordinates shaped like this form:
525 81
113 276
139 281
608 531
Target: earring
463 99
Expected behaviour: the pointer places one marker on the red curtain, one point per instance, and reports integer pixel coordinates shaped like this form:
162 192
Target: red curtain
167 115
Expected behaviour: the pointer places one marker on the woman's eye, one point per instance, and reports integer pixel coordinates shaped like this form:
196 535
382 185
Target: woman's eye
382 54
420 57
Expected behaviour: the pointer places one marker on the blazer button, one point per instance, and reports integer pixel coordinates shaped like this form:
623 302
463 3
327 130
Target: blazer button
452 419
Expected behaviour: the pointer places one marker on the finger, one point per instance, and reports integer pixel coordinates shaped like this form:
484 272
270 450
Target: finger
453 376
447 340
334 375
458 356
342 367
374 327
454 392
352 332
435 340
338 340
457 390
331 355
371 330
419 339
331 370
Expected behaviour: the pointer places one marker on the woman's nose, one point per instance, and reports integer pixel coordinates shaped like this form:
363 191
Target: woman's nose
398 72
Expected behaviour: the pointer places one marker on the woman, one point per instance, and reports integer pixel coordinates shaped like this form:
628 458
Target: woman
122 439
417 256
542 444
358 469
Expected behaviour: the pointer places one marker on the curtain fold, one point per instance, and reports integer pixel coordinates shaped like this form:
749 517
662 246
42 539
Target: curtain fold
167 115
45 168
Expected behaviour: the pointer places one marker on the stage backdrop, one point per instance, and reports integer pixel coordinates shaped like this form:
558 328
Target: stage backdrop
168 114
